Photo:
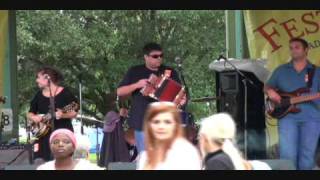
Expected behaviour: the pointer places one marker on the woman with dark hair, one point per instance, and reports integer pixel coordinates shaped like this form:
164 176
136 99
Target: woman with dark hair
166 148
49 81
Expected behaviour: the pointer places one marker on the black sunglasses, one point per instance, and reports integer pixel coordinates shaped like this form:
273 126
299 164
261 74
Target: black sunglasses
156 56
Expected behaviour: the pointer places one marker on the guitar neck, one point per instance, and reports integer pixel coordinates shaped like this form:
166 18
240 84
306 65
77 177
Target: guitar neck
304 98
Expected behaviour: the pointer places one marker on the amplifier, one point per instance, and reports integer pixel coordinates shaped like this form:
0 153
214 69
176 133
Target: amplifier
8 147
15 155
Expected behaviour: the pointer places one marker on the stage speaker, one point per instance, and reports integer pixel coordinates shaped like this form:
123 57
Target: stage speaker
14 157
231 90
21 167
122 166
279 164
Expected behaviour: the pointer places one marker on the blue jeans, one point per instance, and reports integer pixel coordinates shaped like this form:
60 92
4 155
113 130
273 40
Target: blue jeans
139 137
298 141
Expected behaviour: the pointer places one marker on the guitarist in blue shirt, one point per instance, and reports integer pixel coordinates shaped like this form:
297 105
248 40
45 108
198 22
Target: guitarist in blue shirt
298 132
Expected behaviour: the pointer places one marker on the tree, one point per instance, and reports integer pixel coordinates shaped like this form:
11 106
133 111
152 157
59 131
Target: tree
101 45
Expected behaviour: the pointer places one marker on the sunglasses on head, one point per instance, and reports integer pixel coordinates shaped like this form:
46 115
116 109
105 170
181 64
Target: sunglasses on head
156 56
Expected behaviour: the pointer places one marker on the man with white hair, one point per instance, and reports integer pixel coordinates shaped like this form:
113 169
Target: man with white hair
83 149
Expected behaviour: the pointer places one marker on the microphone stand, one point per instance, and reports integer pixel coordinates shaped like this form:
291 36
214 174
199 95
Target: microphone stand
80 98
52 108
29 144
97 143
182 80
81 119
245 81
180 73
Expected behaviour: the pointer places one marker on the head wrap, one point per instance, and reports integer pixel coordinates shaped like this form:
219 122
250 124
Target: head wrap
67 132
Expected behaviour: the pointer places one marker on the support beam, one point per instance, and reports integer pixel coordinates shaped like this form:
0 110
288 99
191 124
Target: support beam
236 40
9 110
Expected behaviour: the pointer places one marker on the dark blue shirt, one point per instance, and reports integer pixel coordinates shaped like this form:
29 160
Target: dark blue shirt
140 103
287 79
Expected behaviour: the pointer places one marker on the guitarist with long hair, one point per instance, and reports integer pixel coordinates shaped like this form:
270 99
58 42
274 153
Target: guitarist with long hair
49 79
299 129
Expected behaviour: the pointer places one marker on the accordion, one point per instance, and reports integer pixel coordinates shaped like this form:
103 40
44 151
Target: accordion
164 89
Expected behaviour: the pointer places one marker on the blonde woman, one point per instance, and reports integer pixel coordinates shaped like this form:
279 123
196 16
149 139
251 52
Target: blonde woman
165 145
216 136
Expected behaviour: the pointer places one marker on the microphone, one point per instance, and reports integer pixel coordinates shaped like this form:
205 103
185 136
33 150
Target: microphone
221 56
178 60
47 77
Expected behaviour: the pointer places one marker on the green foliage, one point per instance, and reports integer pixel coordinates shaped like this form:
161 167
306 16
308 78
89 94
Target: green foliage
102 44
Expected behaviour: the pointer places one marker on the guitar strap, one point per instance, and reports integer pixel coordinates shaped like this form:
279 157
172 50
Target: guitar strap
310 75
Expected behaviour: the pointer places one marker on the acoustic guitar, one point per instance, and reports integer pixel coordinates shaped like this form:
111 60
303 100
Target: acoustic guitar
41 128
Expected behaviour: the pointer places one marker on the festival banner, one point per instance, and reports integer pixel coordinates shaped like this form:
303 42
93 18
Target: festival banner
269 31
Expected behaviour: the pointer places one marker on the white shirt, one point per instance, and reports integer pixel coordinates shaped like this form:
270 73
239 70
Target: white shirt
181 156
259 165
81 165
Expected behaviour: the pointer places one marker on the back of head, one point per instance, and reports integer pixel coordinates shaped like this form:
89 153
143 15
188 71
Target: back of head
83 147
54 74
218 126
221 127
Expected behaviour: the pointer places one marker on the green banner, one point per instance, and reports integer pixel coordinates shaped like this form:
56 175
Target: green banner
8 78
3 47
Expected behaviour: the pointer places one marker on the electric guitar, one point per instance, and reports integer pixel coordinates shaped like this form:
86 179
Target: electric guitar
289 102
41 128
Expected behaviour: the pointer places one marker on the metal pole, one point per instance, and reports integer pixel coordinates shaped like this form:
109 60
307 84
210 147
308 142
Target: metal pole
29 144
80 97
52 109
239 33
97 146
80 103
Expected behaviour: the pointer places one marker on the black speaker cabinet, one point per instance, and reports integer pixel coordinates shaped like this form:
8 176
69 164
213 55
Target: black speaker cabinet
231 90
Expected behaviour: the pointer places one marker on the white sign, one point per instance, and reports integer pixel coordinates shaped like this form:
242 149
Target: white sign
6 120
